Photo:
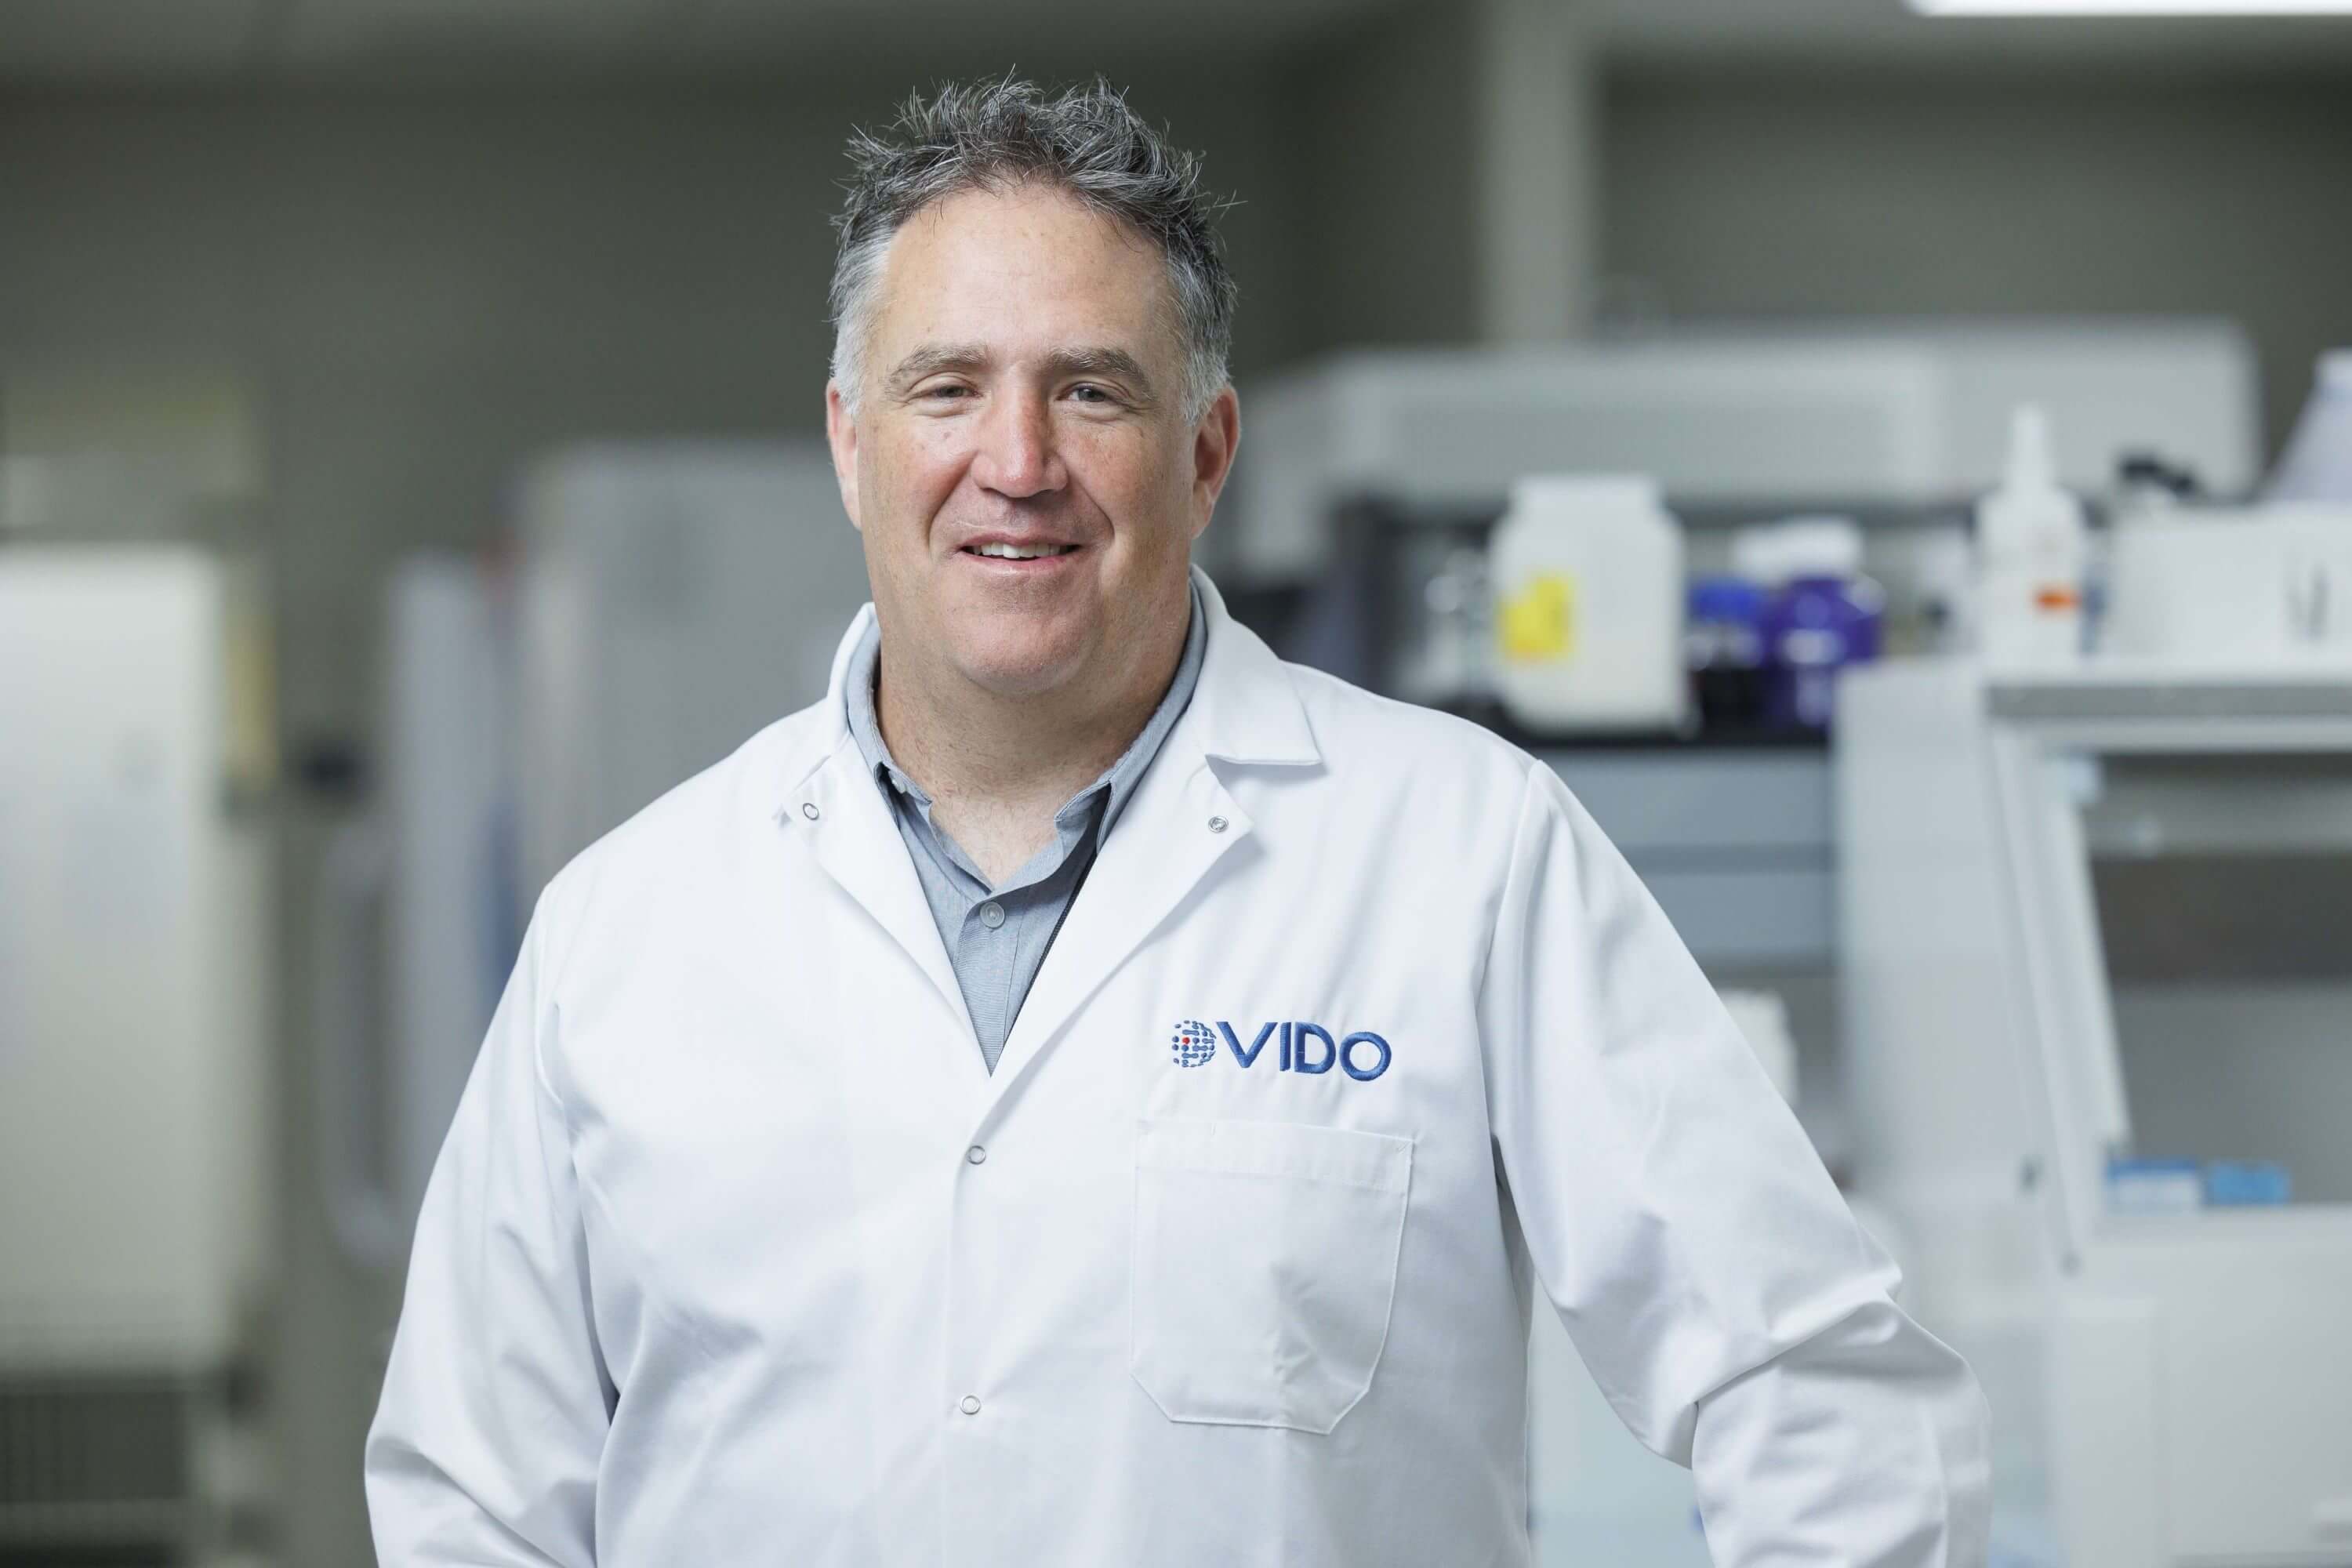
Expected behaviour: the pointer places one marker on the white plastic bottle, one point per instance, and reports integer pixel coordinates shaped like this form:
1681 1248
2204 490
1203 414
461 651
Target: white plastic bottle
1587 572
2317 463
2031 552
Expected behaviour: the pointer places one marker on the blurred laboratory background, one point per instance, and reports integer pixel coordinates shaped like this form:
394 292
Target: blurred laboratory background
1896 466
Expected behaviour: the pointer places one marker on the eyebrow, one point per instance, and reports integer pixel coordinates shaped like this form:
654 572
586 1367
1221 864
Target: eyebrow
1116 365
933 358
1091 360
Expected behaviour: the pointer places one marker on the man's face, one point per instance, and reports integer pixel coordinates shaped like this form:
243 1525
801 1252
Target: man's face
1025 391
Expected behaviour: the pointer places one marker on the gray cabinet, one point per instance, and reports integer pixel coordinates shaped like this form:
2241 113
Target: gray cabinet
1734 844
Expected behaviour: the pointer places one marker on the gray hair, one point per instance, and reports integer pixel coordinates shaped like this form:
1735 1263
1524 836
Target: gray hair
994 135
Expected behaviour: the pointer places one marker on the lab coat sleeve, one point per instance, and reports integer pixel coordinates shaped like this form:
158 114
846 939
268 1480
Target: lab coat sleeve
1723 1297
486 1445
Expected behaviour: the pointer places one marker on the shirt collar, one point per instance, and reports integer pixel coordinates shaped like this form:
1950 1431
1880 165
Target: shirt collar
864 726
1117 781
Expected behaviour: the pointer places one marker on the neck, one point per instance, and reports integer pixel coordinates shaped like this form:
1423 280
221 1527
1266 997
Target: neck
997 767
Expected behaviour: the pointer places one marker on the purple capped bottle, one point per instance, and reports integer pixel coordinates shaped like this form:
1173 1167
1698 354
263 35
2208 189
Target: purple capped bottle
1820 615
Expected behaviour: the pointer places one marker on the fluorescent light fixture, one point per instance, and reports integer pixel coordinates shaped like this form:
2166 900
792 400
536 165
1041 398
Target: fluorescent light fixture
2132 7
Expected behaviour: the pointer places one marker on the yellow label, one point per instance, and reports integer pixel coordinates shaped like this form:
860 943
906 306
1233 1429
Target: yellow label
1538 622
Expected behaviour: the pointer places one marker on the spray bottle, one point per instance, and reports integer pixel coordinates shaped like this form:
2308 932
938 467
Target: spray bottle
2031 549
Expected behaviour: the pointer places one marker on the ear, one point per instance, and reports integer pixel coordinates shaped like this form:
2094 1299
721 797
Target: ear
1214 441
841 436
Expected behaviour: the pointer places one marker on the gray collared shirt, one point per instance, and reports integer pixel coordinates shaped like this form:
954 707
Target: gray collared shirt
997 937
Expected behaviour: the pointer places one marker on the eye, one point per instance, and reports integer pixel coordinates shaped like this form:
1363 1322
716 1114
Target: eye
1096 396
945 392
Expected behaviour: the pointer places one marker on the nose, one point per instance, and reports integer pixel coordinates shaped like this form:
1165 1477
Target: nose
1016 456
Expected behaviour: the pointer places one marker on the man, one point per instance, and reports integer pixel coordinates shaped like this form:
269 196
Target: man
1089 1093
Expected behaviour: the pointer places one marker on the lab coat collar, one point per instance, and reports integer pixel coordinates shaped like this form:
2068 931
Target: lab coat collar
1245 707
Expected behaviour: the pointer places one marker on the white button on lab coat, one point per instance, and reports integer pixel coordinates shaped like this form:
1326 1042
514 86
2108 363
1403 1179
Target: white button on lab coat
1357 1034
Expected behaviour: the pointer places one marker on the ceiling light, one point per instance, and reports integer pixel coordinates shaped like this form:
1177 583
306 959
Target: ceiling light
2132 7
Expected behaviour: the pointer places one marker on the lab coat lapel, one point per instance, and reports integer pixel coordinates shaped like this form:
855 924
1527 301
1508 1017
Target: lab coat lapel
859 847
1179 827
838 805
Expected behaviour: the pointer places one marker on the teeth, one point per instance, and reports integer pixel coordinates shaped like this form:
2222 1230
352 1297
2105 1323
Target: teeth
1020 552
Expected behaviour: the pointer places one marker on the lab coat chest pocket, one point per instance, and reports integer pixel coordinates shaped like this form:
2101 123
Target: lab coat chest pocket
1264 1264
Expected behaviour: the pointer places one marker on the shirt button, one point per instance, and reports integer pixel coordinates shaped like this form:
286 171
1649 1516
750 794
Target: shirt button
991 915
971 1406
976 1155
1217 824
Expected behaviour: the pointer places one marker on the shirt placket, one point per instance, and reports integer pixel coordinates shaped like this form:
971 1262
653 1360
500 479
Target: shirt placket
990 949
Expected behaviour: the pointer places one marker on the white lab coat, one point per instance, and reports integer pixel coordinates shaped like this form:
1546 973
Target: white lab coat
736 1253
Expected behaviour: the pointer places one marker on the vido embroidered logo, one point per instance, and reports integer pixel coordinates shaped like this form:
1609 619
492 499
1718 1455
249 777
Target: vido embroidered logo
1304 1047
1195 1043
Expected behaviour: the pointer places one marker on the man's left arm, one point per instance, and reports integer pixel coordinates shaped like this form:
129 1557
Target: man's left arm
1736 1317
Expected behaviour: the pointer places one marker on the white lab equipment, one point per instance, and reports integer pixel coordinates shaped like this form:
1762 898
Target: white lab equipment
2242 587
2032 549
1587 577
1763 1020
1898 418
2091 920
2319 577
419 914
135 968
2317 464
137 1112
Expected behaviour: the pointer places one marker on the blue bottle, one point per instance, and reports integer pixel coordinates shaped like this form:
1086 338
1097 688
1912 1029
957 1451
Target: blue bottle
1723 648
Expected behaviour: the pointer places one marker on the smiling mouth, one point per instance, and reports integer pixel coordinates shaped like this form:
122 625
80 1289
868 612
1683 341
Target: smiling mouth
1019 551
